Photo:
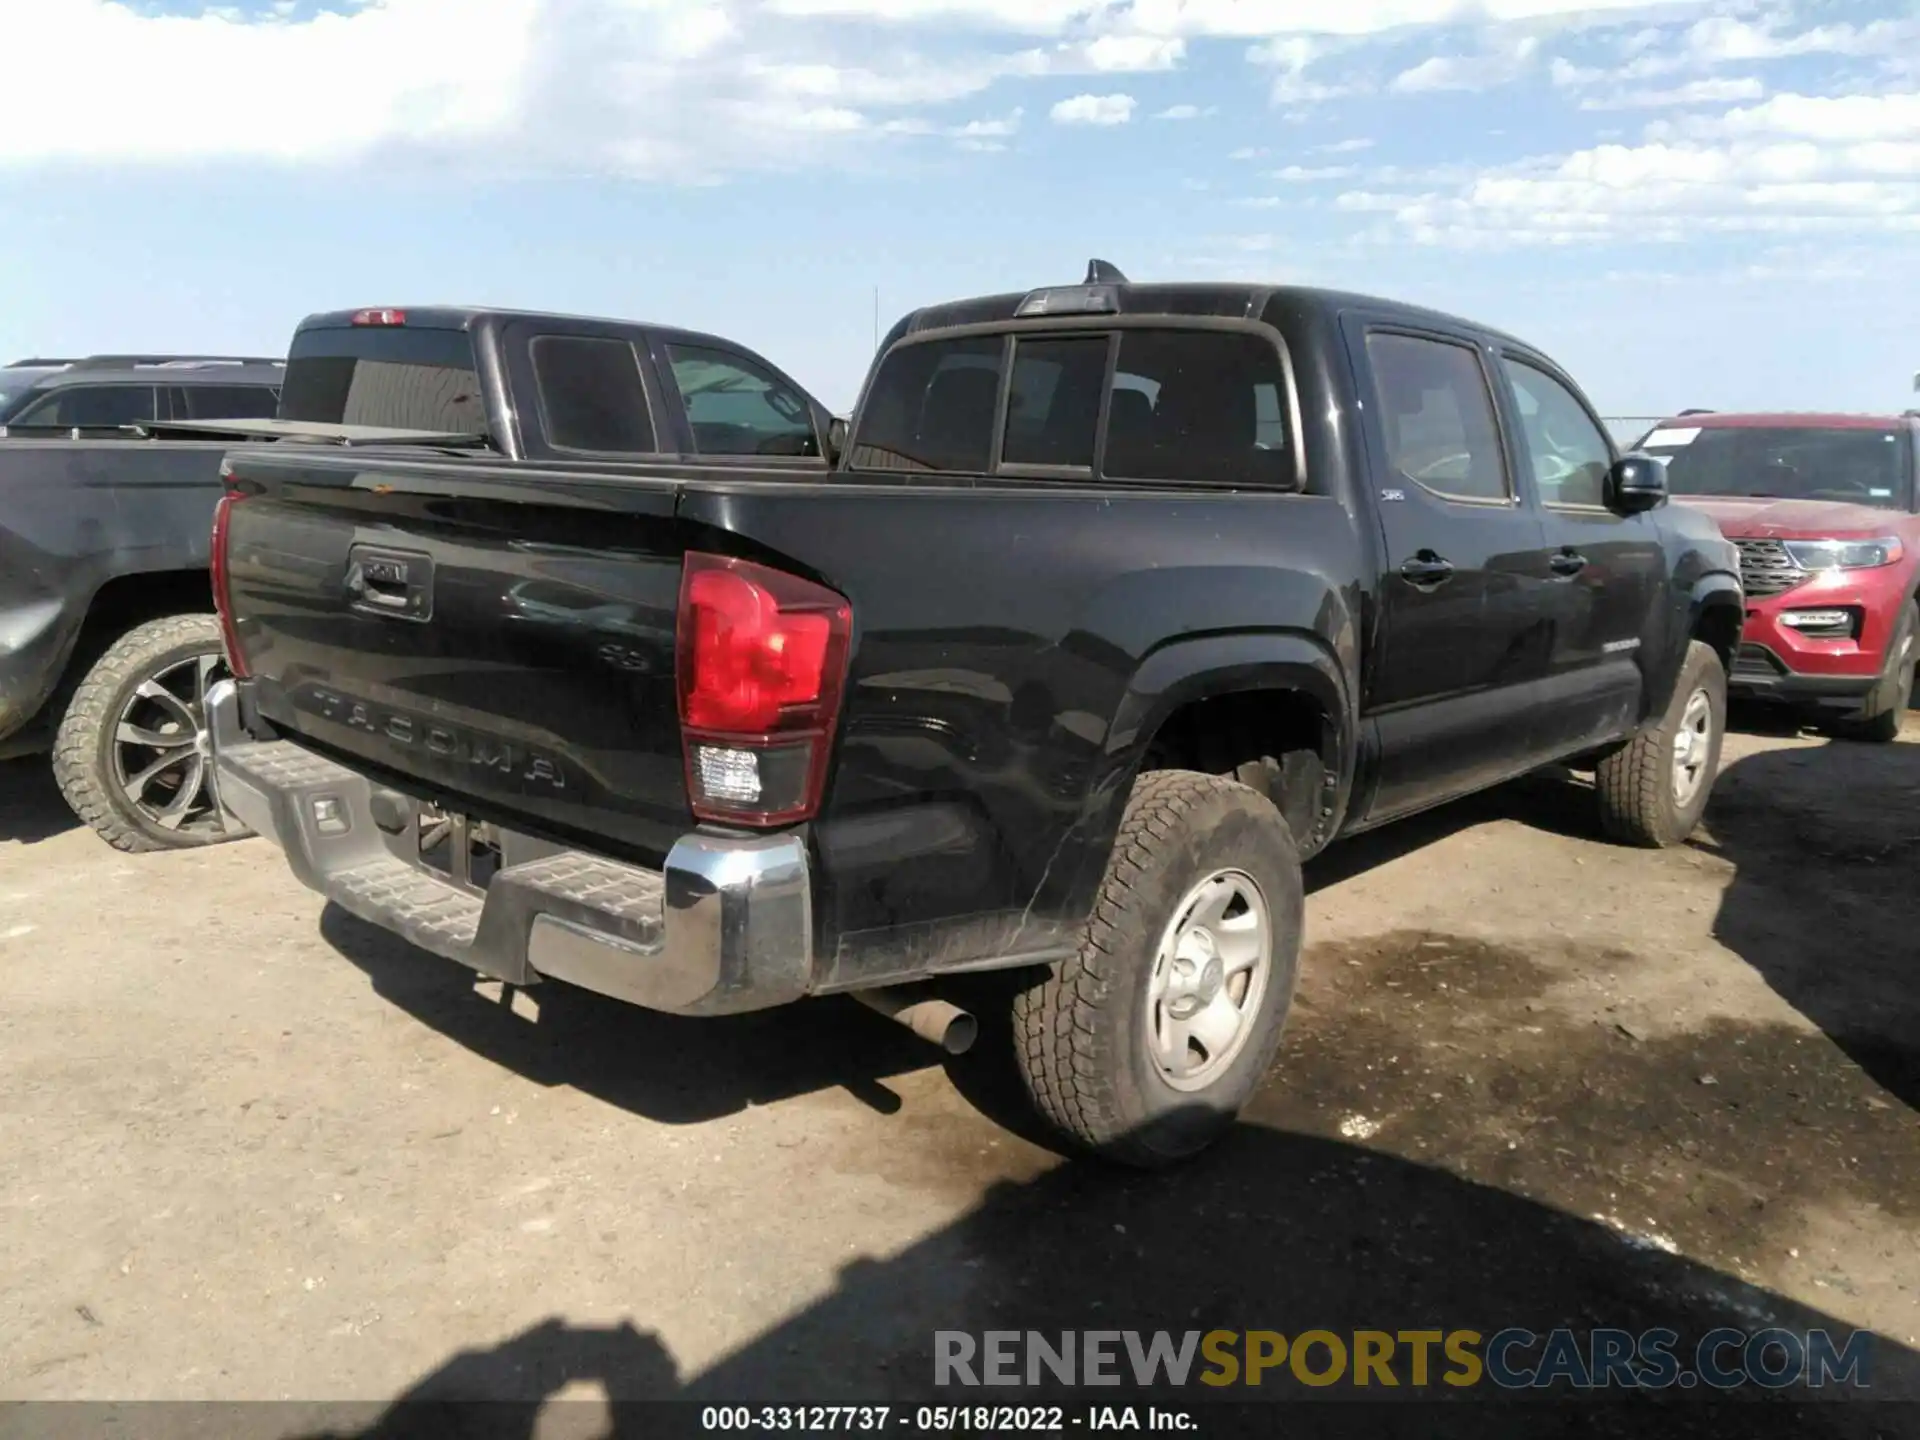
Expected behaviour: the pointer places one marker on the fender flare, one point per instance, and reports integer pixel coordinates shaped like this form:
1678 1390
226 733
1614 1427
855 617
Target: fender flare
1207 667
1715 590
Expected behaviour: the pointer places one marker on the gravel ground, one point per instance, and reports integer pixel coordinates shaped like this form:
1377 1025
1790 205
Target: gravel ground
255 1150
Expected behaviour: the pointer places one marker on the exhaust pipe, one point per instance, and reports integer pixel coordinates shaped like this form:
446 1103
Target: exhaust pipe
936 1021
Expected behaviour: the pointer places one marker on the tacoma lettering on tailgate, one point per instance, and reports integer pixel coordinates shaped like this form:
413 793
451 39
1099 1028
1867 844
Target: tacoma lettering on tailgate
446 742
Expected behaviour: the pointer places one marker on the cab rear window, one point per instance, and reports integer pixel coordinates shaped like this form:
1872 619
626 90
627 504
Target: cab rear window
1150 404
408 378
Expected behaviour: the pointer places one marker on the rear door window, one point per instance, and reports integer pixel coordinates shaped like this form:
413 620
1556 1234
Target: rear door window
931 407
101 406
225 402
737 407
404 377
591 394
1199 405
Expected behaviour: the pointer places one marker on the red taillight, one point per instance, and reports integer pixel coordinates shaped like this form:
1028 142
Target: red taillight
380 317
222 596
762 663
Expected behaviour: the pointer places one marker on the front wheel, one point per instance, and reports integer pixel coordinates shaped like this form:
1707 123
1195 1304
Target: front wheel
1653 790
1146 1044
132 754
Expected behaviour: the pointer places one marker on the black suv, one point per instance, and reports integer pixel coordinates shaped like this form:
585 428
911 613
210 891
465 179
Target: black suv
108 391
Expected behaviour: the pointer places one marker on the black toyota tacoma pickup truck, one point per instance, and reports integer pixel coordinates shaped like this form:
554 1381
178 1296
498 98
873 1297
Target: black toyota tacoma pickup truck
1122 601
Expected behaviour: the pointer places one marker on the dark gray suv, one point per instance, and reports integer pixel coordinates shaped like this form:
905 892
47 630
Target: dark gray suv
104 392
105 519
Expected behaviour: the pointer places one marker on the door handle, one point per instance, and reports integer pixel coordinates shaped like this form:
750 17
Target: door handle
1567 562
1426 570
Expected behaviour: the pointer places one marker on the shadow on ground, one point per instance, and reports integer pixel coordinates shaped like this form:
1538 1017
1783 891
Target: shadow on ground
1825 844
1272 1231
1491 1123
664 1067
31 806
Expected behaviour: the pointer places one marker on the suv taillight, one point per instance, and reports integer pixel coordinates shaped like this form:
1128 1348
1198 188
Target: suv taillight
762 662
217 571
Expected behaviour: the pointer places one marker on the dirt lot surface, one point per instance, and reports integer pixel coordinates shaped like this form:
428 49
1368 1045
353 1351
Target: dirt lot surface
251 1150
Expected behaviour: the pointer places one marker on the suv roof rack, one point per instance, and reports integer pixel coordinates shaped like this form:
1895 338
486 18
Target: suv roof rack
1697 410
170 362
39 362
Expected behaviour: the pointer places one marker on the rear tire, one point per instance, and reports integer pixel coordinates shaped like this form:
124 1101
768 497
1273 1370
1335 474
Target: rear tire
1653 790
131 754
1885 710
1145 1045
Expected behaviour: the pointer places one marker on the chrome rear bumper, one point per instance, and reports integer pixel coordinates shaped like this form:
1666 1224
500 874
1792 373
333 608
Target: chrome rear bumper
725 926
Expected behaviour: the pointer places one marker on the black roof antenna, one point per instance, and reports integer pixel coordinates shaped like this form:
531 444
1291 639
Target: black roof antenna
1104 272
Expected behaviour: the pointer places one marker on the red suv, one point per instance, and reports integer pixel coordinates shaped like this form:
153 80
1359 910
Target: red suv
1822 508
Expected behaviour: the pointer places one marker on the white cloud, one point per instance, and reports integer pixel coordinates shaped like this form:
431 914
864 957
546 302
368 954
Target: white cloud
1135 52
987 135
1346 147
1829 118
1846 166
1258 19
674 89
1497 66
1037 17
1094 110
1186 112
1438 72
1710 91
1719 40
1310 174
1288 59
1723 40
1566 73
129 86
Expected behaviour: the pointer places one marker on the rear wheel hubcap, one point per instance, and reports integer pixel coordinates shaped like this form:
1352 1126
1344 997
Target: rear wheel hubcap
1210 976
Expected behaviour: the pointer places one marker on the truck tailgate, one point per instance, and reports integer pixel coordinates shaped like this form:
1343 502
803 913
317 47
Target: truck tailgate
502 646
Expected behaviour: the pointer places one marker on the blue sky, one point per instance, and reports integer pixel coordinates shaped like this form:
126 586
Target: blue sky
1686 203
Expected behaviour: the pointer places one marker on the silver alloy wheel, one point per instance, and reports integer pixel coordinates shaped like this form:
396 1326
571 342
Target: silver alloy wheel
162 752
1692 748
1210 975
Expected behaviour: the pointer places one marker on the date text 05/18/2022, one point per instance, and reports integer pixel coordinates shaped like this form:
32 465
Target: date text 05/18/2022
941 1419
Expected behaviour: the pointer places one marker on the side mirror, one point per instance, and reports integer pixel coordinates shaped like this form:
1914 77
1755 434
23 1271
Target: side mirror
836 440
1636 483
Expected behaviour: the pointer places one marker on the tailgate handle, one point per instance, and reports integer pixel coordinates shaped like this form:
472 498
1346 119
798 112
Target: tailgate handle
390 582
378 589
